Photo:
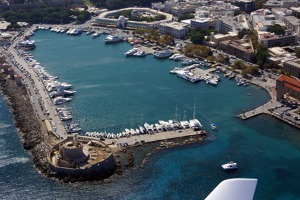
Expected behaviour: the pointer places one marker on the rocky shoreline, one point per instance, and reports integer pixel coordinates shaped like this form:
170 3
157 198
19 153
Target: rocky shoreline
35 139
27 123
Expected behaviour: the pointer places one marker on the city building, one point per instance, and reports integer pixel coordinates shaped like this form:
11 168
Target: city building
245 5
287 86
280 3
175 29
183 8
238 48
292 23
215 39
280 13
232 24
272 40
106 18
295 11
200 23
292 67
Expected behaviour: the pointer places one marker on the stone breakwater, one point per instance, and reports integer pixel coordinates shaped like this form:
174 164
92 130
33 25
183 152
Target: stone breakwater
27 123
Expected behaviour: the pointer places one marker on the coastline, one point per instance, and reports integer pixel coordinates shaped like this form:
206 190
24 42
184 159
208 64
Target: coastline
38 146
29 127
38 142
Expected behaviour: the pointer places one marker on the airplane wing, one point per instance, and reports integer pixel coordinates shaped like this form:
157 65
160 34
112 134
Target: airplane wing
234 189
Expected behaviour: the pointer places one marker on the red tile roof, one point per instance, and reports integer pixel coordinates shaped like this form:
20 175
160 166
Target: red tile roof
292 87
289 80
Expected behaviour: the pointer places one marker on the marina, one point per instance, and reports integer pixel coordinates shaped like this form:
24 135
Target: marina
233 131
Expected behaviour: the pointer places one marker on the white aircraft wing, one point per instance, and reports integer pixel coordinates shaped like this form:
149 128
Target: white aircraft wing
234 189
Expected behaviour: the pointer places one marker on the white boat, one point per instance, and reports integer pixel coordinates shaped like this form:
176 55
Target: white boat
61 100
27 43
142 130
95 35
61 93
163 54
187 75
213 126
185 124
212 81
173 71
127 131
131 52
148 128
113 39
195 124
137 131
230 166
132 131
140 54
174 55
75 31
179 57
189 61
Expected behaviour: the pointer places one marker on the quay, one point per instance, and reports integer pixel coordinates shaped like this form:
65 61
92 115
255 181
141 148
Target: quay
39 97
263 109
148 138
202 72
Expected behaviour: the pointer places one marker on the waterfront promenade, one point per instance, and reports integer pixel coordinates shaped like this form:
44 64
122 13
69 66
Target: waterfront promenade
39 97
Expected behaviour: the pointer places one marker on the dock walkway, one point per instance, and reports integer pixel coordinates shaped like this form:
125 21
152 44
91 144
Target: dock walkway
147 138
264 109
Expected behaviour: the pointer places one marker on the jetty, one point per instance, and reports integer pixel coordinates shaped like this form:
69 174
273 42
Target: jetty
148 138
263 109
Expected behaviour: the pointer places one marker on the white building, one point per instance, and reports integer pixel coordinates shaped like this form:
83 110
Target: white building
175 29
200 23
229 24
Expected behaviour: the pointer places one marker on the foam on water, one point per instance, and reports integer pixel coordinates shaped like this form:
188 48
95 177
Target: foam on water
10 161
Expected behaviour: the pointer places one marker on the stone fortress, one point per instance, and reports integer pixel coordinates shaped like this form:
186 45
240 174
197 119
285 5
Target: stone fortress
82 157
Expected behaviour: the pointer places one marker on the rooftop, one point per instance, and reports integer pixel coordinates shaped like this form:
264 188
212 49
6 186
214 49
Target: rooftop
289 82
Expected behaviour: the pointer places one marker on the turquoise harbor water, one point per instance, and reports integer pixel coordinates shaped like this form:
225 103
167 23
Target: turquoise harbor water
115 92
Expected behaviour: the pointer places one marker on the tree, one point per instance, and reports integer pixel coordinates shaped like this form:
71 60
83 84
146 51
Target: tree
244 72
211 58
297 51
186 16
277 29
238 64
197 36
261 55
197 51
166 39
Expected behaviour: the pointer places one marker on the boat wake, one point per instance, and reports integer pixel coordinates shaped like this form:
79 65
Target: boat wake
111 60
95 86
5 162
3 126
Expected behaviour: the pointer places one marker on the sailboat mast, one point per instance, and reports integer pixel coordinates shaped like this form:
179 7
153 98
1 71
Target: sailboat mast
194 114
176 113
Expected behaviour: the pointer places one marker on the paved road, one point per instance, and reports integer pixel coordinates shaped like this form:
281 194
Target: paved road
38 95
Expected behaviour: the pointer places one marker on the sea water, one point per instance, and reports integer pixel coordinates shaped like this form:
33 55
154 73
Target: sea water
115 92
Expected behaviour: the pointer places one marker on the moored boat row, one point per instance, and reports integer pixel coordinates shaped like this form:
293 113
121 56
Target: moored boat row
161 126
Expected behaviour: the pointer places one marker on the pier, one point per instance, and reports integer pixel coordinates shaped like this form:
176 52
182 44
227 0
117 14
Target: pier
202 72
264 109
148 138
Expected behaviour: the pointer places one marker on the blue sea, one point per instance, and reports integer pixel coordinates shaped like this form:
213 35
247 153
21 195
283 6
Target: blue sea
115 92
